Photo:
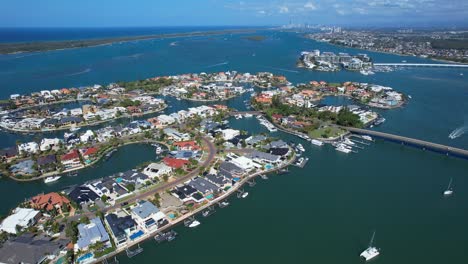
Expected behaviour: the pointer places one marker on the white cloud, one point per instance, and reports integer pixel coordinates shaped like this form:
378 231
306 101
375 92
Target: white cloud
283 9
310 6
261 12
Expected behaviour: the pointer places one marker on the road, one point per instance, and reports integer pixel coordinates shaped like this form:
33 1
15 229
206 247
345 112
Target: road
211 155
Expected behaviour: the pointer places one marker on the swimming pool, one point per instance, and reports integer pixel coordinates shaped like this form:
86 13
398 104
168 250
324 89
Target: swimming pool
210 196
269 166
85 257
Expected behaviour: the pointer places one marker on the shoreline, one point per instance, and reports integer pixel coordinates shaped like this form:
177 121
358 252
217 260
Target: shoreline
180 220
13 130
12 48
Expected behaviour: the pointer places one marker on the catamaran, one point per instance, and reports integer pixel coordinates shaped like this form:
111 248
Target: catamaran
371 252
449 190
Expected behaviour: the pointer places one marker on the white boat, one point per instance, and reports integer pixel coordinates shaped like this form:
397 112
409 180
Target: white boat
248 115
409 96
371 252
343 149
158 150
245 194
239 116
194 223
52 179
449 190
223 204
316 142
300 147
366 137
74 128
347 141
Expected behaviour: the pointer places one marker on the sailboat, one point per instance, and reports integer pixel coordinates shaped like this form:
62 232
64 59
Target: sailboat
371 252
449 190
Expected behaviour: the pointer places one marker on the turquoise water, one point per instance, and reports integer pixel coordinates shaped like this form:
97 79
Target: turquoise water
323 213
84 257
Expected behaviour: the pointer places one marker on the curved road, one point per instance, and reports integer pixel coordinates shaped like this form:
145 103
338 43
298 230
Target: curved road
211 155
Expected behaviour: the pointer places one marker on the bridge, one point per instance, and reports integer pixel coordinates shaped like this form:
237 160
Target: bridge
233 113
423 65
425 145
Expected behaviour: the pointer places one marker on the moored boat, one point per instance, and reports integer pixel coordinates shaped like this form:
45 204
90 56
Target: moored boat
371 252
52 179
316 142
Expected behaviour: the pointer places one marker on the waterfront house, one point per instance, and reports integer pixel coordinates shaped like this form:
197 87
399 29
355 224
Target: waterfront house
121 227
156 170
47 163
89 153
203 186
28 148
50 202
71 160
8 154
175 163
219 180
185 193
90 234
31 248
186 145
20 218
83 195
148 216
173 134
49 143
229 133
87 136
264 157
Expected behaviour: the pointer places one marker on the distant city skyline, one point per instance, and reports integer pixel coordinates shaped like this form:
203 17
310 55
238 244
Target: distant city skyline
149 13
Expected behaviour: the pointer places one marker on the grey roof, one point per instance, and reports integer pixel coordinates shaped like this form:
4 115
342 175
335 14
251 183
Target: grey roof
264 156
44 160
255 139
145 209
217 179
230 167
118 225
278 144
203 185
91 232
28 248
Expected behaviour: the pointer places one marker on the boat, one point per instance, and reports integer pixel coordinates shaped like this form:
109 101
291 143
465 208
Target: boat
158 150
223 204
449 190
52 179
167 236
300 147
343 149
248 115
409 96
245 194
299 161
379 121
207 213
366 137
74 128
371 252
72 174
194 223
316 142
347 141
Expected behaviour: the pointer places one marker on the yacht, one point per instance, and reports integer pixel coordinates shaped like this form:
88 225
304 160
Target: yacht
379 121
158 150
194 223
74 129
449 190
366 137
316 142
347 141
300 147
248 115
299 161
238 116
245 194
371 252
409 96
52 179
343 149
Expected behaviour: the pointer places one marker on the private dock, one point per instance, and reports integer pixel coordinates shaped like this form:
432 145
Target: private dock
132 253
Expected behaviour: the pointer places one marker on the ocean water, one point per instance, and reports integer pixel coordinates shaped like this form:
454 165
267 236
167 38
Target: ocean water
323 213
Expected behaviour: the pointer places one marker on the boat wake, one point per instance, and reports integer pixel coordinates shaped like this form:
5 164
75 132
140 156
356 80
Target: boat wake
218 64
133 56
458 132
80 72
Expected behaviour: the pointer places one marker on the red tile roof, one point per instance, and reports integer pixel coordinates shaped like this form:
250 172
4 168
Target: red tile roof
48 201
175 163
90 151
192 145
70 155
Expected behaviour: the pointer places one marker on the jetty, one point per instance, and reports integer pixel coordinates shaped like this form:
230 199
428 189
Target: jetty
425 145
132 253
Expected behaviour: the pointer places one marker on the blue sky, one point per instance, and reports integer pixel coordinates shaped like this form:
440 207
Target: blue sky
115 13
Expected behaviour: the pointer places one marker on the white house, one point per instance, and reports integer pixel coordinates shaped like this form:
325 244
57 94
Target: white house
229 133
87 136
49 143
23 217
147 215
156 170
29 147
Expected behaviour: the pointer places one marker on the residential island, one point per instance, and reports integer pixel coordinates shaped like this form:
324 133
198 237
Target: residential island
329 61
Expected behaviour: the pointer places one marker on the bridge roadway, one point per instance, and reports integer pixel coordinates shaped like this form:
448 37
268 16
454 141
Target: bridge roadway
423 65
447 150
233 113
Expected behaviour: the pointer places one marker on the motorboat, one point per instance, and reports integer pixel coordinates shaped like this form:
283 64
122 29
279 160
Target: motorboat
316 142
245 194
300 147
449 190
52 179
347 141
343 149
366 137
371 252
158 150
223 204
194 223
